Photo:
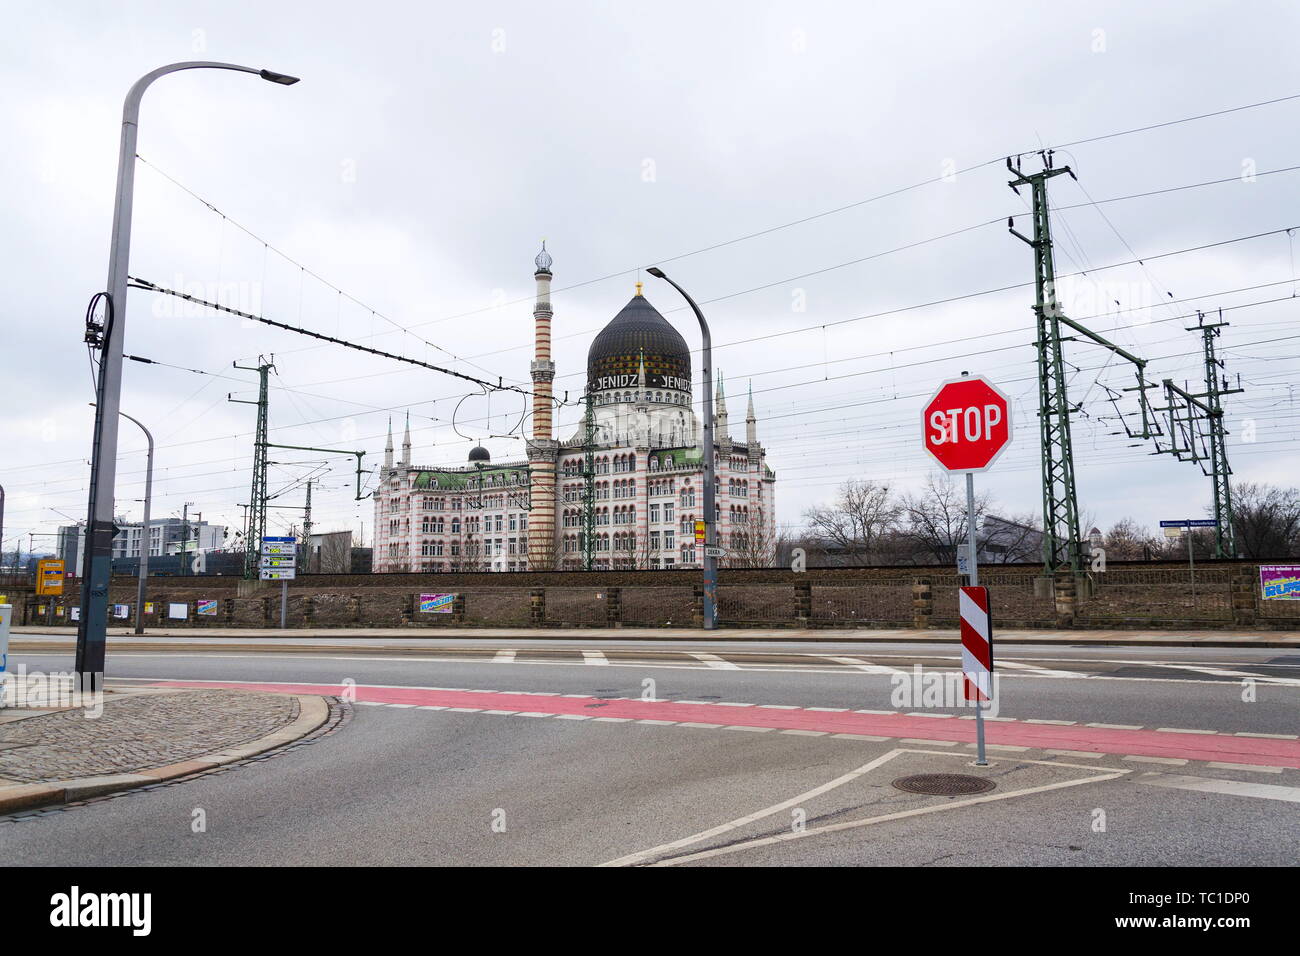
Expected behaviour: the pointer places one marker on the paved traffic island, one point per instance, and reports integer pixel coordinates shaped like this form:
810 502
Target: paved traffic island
61 748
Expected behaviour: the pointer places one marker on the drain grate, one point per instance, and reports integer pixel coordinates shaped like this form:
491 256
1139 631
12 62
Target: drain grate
944 784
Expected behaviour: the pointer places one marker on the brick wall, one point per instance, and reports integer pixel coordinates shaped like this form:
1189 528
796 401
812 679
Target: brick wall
1225 594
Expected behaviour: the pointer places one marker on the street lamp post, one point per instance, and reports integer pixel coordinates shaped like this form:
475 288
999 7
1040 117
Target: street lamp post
710 527
144 530
97 566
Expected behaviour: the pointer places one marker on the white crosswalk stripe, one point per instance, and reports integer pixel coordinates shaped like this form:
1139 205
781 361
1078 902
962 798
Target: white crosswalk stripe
858 664
713 660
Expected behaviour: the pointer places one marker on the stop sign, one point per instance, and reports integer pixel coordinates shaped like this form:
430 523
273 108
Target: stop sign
967 424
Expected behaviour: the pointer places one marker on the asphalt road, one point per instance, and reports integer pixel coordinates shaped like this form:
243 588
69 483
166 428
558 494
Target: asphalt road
739 763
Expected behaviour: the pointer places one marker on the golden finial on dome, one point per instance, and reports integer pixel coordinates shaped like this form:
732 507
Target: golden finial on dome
638 288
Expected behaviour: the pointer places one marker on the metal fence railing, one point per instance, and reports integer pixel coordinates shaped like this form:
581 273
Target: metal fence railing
886 603
657 607
756 604
1157 597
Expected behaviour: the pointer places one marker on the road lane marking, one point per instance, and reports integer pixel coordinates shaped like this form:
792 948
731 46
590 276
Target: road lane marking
1172 761
1180 730
713 660
1254 768
642 665
504 657
1232 788
1033 670
632 859
858 664
648 856
1117 726
1224 672
594 657
1087 754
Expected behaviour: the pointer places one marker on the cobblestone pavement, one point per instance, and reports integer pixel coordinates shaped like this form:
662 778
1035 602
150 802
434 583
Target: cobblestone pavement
138 732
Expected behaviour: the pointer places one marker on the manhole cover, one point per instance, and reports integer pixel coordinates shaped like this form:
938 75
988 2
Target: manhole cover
944 784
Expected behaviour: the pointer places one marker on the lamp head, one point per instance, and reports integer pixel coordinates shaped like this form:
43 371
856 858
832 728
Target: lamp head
282 78
656 272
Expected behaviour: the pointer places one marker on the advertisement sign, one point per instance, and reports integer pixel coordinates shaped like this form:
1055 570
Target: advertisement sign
121 610
74 613
436 603
148 607
1280 582
178 612
208 608
699 532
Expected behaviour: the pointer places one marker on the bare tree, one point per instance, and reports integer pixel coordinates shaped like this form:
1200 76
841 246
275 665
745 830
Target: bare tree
630 550
857 521
1266 519
753 541
472 557
936 519
1128 541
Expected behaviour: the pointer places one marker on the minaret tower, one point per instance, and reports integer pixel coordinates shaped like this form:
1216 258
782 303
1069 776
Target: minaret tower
542 448
406 442
721 432
388 448
751 433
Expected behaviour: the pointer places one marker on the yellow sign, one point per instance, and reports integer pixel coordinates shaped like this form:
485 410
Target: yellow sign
699 532
49 576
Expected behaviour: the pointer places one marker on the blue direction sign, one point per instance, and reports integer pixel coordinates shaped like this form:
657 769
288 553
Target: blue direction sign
1191 523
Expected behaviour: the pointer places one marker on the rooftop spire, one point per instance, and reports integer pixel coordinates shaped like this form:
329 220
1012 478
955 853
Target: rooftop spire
638 288
388 447
544 260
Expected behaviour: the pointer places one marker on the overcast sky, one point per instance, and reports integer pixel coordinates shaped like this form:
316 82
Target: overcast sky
430 147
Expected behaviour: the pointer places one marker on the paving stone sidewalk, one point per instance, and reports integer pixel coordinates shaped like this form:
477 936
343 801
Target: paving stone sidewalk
138 729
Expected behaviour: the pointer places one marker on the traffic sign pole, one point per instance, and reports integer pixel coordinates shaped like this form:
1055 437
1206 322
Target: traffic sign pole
966 426
980 759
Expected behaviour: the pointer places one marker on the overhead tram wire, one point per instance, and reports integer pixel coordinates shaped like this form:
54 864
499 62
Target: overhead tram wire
887 312
137 283
771 229
302 268
956 341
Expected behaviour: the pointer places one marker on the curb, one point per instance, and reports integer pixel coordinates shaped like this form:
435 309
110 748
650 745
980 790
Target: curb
313 711
329 643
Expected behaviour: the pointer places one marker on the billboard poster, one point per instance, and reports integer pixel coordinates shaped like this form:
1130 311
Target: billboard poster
208 608
178 612
436 603
121 611
1280 581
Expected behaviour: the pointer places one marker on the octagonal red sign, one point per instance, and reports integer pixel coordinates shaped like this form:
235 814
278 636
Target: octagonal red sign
966 424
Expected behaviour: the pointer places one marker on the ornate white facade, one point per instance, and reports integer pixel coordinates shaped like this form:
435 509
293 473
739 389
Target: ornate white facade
648 471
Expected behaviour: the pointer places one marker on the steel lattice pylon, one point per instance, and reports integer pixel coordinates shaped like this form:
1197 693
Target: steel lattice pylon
1206 444
255 516
1060 503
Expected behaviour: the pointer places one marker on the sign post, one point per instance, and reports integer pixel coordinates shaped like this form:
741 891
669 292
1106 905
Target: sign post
279 562
966 425
1185 527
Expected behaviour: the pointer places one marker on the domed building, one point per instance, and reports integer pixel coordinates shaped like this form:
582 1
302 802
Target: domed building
624 491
